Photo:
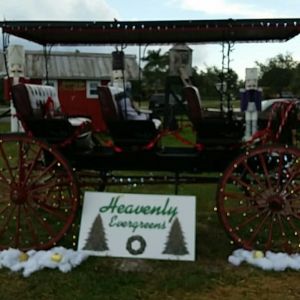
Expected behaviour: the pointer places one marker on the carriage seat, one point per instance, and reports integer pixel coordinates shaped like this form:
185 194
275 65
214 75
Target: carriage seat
213 128
125 133
31 104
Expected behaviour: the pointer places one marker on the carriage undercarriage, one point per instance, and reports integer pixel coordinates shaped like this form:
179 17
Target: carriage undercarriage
257 196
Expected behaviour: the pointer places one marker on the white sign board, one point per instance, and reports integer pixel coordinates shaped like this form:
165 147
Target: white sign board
138 225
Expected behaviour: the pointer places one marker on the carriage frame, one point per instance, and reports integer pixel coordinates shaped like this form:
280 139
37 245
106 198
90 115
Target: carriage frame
41 179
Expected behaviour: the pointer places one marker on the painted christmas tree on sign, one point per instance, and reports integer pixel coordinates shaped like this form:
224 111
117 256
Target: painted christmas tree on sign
176 244
96 240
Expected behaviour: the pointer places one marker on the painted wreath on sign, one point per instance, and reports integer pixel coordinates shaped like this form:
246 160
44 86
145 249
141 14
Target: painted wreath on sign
140 249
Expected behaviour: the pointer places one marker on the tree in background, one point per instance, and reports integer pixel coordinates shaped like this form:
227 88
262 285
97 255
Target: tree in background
206 82
277 75
155 71
295 82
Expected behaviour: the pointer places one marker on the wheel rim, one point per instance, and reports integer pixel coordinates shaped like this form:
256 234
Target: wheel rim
258 199
38 194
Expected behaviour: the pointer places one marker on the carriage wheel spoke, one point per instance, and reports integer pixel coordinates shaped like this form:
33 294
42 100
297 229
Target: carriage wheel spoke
30 226
8 219
259 227
240 209
44 172
241 182
295 191
5 159
292 175
4 201
283 233
280 168
236 196
33 165
264 166
18 227
49 185
42 222
255 177
256 215
292 225
21 165
7 206
53 211
3 177
270 234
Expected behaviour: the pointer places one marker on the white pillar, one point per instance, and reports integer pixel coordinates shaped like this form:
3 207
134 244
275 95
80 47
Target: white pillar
16 65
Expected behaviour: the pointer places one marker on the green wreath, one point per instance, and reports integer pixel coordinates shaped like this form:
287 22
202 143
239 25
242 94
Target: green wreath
142 247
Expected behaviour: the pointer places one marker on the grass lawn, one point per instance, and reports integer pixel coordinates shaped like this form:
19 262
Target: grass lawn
209 277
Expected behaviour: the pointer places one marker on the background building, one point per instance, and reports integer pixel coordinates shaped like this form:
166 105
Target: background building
76 76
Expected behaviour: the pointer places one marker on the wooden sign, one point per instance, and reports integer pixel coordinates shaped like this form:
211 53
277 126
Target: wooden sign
138 225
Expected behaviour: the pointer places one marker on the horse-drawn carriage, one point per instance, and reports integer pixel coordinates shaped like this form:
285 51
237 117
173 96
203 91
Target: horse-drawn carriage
43 169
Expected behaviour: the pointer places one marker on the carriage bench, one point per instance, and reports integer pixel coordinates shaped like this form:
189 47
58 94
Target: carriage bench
213 129
39 110
127 134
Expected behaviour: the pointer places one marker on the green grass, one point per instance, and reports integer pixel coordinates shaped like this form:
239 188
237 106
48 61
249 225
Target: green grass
209 277
216 103
4 127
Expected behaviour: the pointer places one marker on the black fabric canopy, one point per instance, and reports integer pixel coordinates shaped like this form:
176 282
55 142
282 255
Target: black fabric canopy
152 32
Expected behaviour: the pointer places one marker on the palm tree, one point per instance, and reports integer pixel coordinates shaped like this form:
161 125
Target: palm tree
155 70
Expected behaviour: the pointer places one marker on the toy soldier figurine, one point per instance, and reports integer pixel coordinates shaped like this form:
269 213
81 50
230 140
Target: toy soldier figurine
251 98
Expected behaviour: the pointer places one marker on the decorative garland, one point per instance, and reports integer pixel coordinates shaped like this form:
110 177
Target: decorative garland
131 240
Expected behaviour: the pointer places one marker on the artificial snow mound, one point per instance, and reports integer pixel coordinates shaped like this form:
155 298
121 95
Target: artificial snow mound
38 260
270 261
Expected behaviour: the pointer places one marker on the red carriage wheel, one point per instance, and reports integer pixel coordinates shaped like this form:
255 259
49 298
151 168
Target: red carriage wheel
38 194
258 199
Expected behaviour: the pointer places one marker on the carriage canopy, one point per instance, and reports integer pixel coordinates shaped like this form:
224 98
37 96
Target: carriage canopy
153 32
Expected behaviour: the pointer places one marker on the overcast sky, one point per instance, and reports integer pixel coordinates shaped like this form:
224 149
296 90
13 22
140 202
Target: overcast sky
244 55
